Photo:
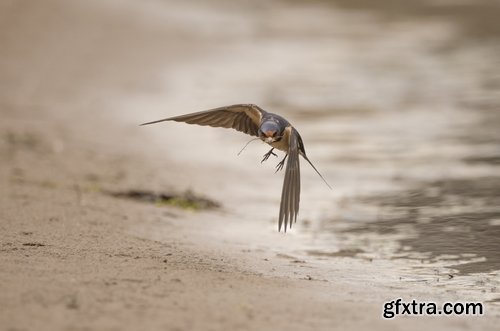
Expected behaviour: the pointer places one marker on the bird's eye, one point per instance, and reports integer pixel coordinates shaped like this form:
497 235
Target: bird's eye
275 133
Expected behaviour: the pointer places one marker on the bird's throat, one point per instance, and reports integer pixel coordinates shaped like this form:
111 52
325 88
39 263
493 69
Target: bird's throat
269 140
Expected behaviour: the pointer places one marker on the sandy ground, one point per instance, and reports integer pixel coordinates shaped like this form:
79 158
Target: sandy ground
74 257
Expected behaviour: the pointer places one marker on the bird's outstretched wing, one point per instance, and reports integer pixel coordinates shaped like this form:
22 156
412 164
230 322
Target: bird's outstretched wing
290 195
241 117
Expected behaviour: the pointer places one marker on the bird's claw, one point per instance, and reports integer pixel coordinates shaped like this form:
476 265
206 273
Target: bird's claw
280 165
268 154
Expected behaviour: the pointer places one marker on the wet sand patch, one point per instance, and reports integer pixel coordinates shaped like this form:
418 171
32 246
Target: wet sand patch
187 200
450 220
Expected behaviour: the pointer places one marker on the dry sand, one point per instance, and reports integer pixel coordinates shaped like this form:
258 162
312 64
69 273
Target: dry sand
75 258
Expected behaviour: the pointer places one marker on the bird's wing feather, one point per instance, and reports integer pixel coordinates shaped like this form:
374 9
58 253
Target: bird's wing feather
241 117
290 195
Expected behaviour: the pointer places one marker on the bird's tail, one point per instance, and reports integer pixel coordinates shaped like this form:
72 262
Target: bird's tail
312 165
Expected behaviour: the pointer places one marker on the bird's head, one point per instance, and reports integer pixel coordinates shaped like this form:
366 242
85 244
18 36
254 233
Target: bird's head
270 131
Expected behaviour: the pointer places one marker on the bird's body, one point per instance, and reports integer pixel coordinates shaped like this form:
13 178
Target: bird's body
273 130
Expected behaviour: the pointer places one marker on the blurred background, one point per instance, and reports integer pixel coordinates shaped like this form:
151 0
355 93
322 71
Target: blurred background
397 102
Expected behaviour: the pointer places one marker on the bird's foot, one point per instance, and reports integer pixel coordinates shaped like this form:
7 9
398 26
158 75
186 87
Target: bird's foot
268 154
280 165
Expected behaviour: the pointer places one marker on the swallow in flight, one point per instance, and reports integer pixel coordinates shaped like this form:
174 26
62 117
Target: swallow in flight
273 130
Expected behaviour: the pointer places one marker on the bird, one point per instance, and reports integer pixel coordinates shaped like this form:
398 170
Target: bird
271 129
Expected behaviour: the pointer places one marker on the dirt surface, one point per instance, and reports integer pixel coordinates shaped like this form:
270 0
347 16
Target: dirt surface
101 225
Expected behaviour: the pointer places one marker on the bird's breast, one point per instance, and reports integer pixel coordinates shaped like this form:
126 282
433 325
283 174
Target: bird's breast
283 143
